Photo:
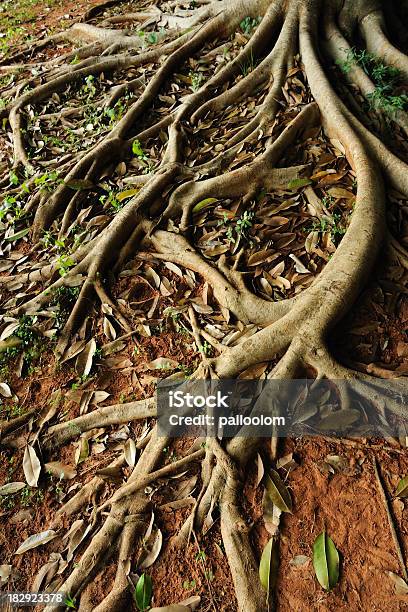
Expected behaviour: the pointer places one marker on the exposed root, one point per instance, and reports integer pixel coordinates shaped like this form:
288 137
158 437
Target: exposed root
101 417
372 28
294 331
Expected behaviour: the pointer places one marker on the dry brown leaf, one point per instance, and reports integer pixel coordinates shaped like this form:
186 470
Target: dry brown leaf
60 470
85 359
31 466
38 539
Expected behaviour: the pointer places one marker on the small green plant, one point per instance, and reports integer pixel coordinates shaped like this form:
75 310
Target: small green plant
143 593
29 497
14 180
378 99
89 87
248 24
11 209
327 200
152 38
142 156
189 584
47 180
201 556
70 602
385 78
335 226
245 222
111 202
196 80
64 263
206 348
186 370
248 65
11 410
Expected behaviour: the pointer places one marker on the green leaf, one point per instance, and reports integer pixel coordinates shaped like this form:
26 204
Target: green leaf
203 204
143 592
402 489
297 183
10 342
126 194
13 178
326 561
18 235
69 602
278 492
79 184
268 566
137 148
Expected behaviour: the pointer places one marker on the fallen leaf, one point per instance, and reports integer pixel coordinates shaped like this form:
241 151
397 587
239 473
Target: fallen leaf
300 182
161 363
5 573
130 452
47 572
123 195
31 466
5 390
143 592
18 235
339 420
203 204
153 548
326 561
12 487
299 560
278 492
82 450
79 184
60 470
84 360
261 470
400 586
287 462
268 566
402 488
38 539
338 463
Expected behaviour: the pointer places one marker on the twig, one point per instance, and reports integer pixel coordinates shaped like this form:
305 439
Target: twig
390 521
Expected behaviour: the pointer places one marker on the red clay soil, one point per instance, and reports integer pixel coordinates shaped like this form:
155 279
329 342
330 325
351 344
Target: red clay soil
347 504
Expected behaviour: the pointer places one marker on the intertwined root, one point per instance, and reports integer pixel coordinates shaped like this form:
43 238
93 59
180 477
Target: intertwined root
294 329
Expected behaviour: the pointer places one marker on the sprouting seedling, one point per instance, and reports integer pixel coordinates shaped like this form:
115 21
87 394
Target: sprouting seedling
196 80
248 24
248 65
206 349
14 180
138 150
70 602
245 221
89 86
64 263
142 156
143 592
110 201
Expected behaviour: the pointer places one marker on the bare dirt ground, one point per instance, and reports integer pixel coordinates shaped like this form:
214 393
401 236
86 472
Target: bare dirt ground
341 495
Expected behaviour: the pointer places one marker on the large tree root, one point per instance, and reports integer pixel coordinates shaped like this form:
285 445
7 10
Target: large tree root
293 332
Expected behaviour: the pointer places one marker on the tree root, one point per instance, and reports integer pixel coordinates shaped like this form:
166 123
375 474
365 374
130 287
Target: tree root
293 332
116 414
